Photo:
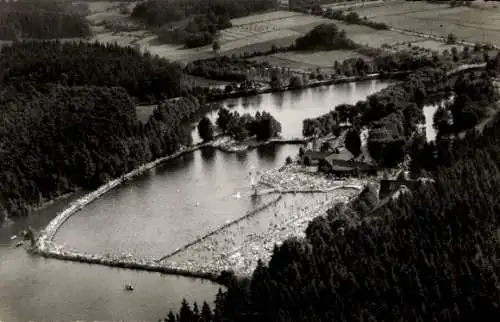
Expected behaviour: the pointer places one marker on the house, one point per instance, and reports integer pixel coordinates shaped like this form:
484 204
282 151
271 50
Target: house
345 168
315 156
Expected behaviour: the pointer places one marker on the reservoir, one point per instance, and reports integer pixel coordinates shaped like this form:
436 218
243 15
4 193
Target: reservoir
149 217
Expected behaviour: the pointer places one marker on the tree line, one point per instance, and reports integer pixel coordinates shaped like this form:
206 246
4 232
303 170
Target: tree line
195 22
430 254
41 20
223 68
143 76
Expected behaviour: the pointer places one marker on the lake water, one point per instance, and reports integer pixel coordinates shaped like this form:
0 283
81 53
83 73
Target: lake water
160 211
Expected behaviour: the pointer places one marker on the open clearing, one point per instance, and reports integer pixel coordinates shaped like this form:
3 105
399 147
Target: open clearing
476 24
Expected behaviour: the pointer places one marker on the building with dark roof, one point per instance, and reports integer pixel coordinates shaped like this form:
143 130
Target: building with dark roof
345 168
315 156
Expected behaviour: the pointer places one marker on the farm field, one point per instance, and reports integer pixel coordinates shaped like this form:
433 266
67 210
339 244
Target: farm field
309 61
253 33
476 24
364 35
353 4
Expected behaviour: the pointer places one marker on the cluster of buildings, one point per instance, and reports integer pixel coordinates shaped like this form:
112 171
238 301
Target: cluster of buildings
340 163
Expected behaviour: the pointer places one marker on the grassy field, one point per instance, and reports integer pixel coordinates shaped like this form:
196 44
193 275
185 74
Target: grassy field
320 59
433 45
479 23
285 63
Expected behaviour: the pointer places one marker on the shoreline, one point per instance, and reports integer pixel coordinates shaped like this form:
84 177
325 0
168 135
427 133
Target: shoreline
51 229
46 247
312 84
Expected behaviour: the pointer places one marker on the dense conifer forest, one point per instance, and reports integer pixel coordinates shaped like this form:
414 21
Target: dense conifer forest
143 76
61 138
41 20
426 254
69 118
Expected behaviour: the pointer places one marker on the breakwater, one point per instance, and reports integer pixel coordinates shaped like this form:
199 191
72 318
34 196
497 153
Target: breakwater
130 263
47 235
227 225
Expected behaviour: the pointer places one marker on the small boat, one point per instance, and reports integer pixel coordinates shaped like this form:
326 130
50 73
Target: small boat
13 237
19 244
129 287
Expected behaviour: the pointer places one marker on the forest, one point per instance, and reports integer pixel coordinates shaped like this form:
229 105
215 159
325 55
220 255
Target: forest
69 119
41 20
429 254
145 77
196 22
61 138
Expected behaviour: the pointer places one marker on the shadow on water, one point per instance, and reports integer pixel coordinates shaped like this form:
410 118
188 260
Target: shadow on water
255 199
268 152
278 99
176 164
242 156
296 94
208 154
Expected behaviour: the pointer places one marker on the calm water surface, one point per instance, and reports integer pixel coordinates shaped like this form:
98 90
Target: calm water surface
151 216
292 107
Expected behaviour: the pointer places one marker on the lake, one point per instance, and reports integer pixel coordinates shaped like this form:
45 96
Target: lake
150 216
